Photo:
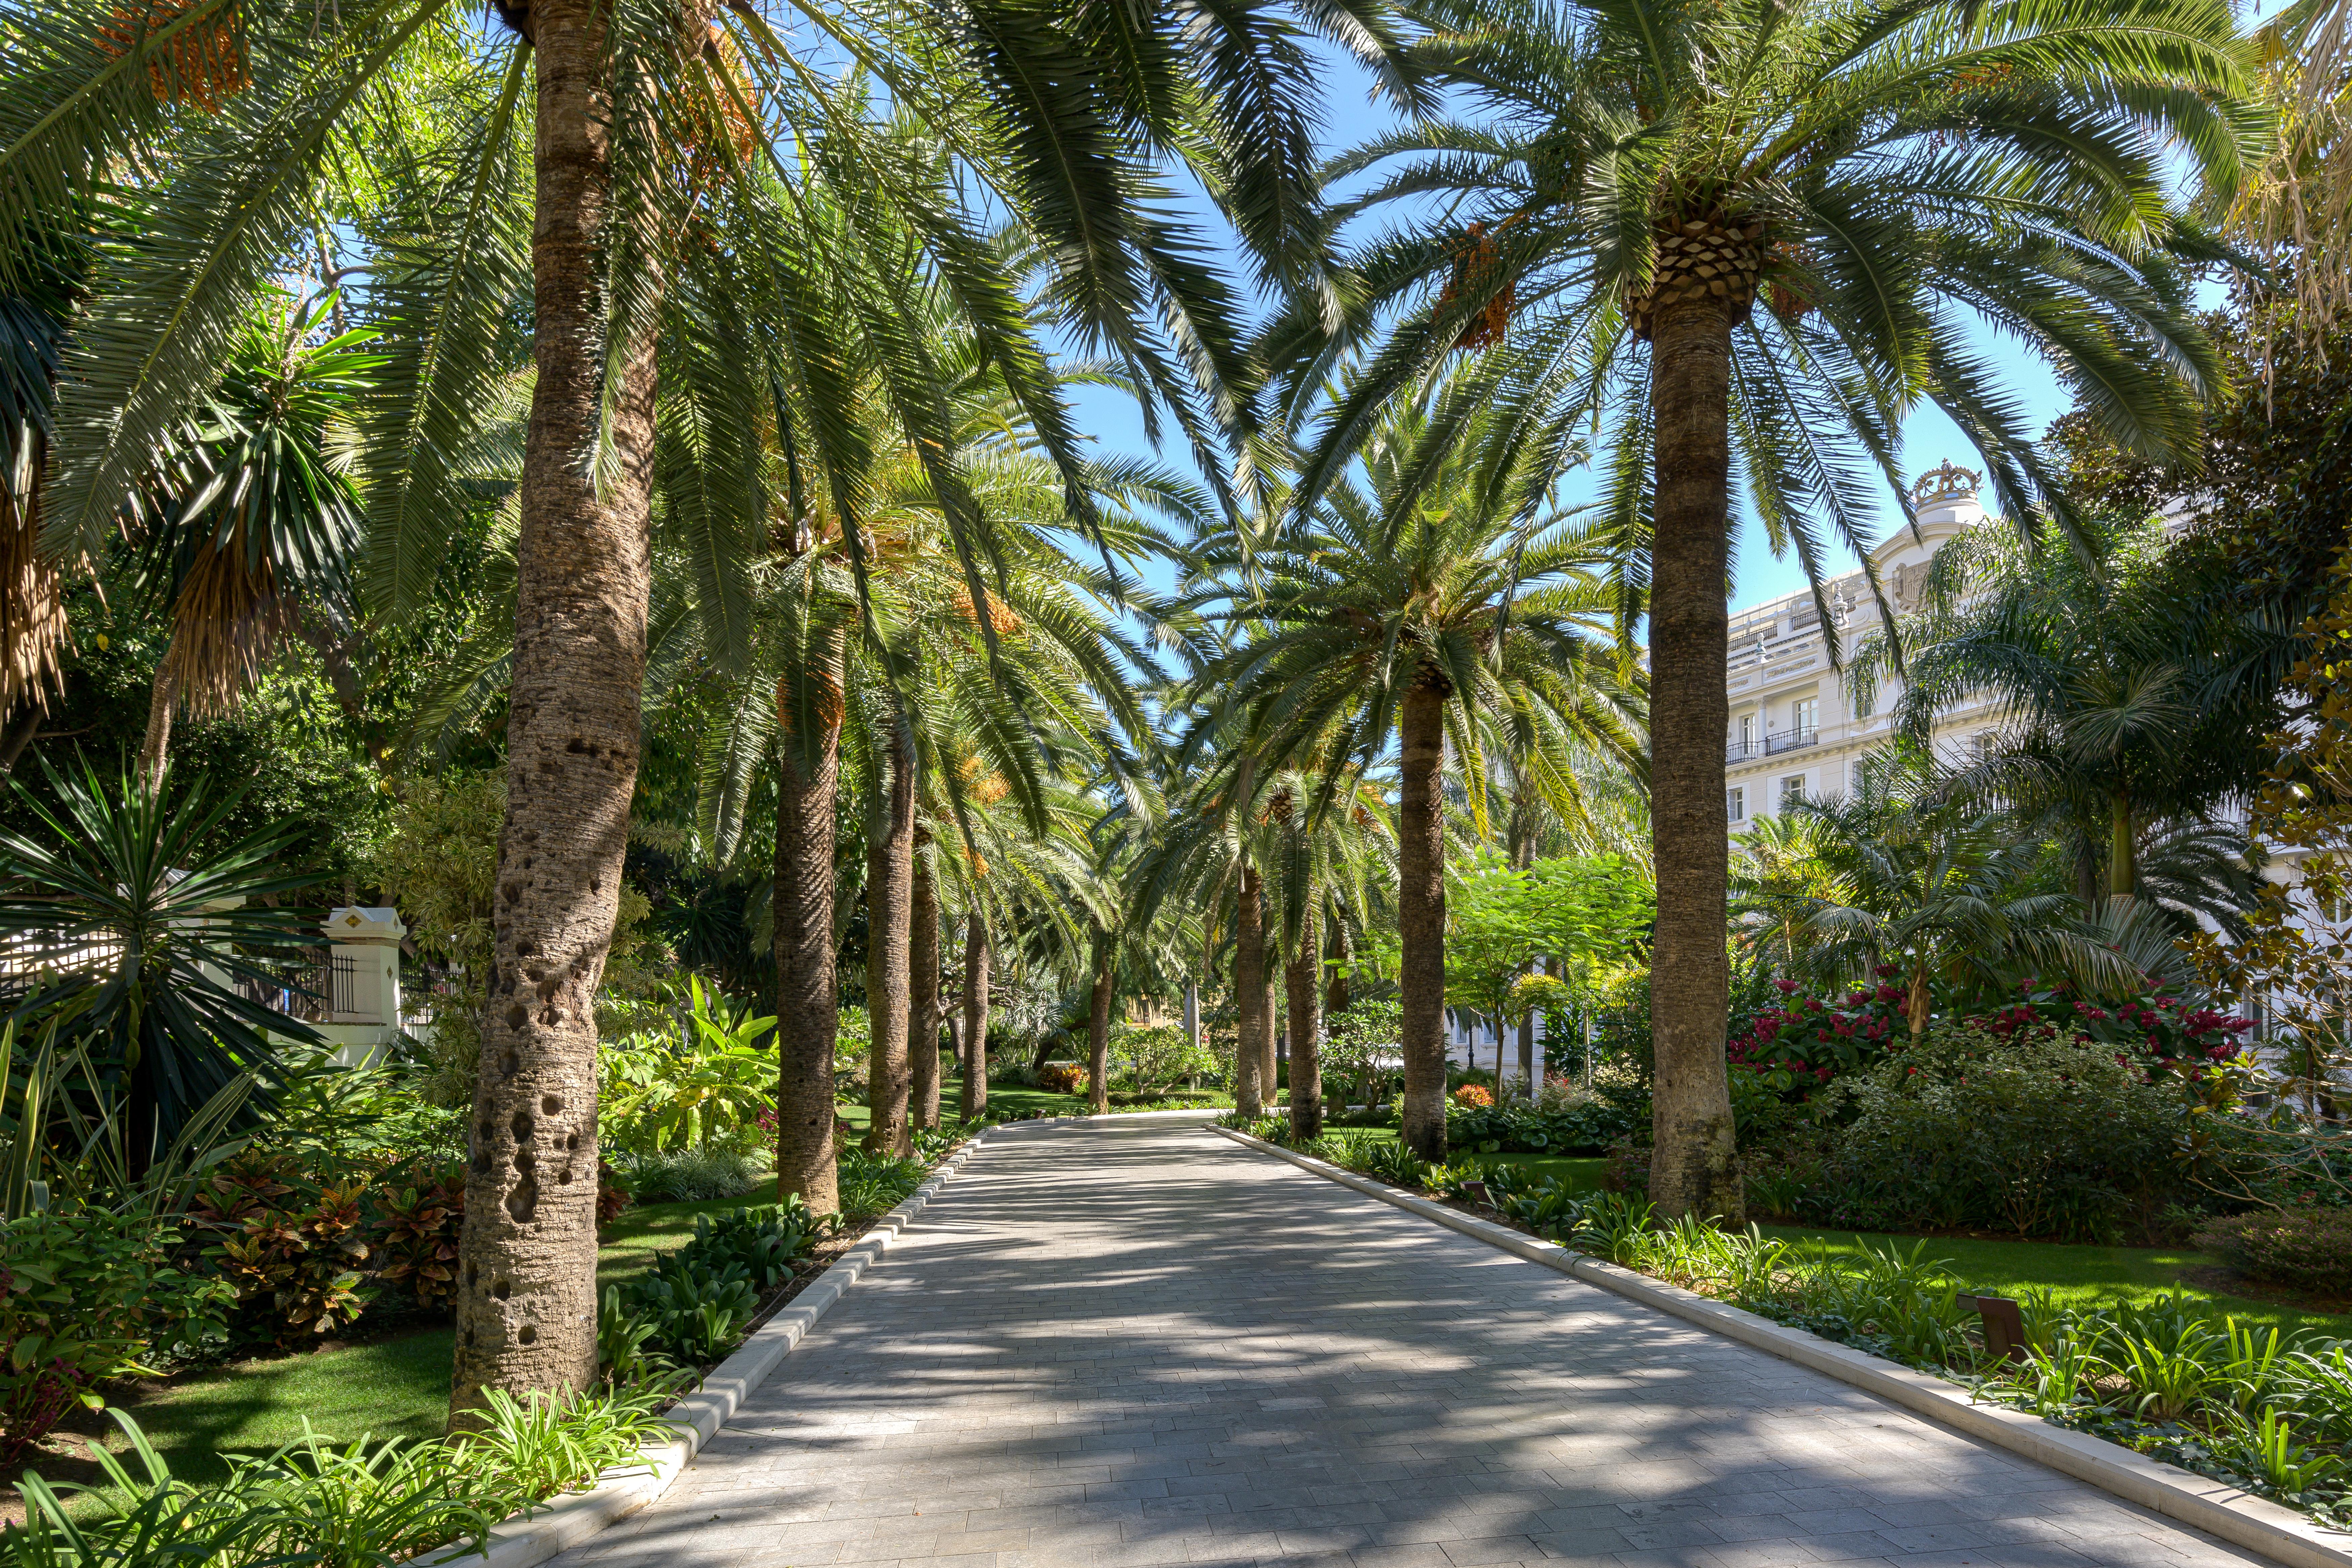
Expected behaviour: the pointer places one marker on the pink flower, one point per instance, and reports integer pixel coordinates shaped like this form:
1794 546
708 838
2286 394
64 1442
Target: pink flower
1786 986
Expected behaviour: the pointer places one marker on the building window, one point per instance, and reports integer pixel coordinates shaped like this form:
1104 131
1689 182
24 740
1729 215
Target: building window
1804 717
1985 743
1747 734
1735 804
1792 790
1865 698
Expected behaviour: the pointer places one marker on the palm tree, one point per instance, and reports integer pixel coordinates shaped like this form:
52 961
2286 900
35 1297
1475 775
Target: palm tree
1929 891
1437 595
2122 702
1631 180
1321 866
252 524
648 118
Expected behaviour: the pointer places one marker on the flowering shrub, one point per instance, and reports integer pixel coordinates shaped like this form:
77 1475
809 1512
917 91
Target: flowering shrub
1809 1041
1062 1077
1473 1097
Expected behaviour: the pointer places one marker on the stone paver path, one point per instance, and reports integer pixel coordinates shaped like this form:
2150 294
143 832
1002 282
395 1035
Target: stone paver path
1127 1344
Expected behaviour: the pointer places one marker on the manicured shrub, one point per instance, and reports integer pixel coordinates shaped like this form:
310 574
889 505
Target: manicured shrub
1575 1123
2037 1132
2309 1249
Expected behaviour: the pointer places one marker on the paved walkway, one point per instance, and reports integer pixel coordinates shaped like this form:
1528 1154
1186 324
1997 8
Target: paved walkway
1122 1345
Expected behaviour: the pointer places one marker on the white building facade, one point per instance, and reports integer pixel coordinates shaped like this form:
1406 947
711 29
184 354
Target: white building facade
1800 726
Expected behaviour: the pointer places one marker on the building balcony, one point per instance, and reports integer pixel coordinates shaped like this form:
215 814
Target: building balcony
1790 741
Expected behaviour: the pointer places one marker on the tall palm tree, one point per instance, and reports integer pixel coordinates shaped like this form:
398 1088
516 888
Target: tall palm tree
1321 866
1629 181
1431 594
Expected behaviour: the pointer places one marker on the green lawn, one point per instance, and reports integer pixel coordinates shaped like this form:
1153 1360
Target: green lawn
2081 1275
388 1388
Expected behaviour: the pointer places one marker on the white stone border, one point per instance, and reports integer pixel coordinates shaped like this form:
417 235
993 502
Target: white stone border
2234 1515
526 1541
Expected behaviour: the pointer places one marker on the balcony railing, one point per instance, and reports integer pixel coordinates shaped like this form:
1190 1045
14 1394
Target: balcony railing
1772 745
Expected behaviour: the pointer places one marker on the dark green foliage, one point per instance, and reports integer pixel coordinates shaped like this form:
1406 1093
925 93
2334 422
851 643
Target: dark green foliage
763 1239
85 1298
1517 1128
2310 1249
140 916
2033 1134
694 1307
698 1312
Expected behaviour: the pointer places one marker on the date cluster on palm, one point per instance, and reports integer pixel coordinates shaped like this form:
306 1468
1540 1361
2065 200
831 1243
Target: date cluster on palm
1701 256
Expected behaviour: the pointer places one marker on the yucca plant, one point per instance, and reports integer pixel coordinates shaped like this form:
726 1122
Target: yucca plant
131 925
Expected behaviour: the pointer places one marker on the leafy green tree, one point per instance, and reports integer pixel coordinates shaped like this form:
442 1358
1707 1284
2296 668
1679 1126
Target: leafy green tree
1501 921
1764 230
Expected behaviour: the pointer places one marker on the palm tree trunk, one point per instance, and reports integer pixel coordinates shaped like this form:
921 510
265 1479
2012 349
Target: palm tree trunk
1342 953
889 890
1527 1057
526 1304
808 1001
1694 1169
1303 978
923 1009
1251 1080
1421 917
162 702
2123 849
1098 1033
975 1016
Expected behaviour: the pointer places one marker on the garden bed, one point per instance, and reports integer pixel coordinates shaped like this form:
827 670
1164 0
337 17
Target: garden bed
392 1385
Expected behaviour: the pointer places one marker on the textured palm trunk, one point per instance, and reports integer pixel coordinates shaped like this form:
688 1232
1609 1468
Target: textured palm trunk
2123 849
526 1302
154 746
808 999
1421 917
1302 979
1341 951
889 890
1098 1033
1528 1085
1252 1081
1694 1169
923 1011
975 1016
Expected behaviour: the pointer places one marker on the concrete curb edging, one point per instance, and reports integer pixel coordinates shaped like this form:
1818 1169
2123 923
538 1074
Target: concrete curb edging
526 1541
2235 1516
